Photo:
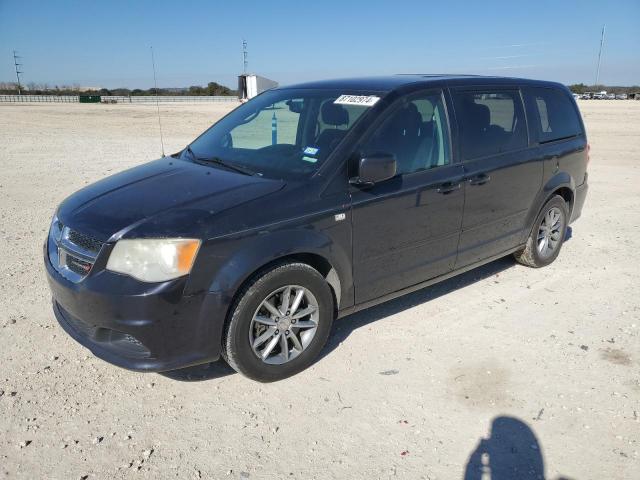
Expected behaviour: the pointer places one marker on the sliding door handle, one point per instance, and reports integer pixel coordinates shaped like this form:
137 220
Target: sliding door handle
480 179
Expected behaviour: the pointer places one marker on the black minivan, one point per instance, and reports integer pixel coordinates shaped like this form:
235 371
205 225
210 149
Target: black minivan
306 204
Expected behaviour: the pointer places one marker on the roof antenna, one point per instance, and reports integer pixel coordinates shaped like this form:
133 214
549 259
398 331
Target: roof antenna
155 83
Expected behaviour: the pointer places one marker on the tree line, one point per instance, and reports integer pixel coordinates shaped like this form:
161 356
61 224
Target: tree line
212 88
582 88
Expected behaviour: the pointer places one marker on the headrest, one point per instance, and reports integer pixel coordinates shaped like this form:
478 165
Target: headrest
479 114
405 121
333 114
411 117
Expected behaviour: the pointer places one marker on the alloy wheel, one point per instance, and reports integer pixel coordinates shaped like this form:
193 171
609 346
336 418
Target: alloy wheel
550 232
284 324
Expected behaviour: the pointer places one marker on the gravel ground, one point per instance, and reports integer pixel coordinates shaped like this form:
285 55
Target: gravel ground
506 366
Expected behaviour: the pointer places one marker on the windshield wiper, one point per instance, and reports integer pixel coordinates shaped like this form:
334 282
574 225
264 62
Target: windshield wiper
222 163
230 166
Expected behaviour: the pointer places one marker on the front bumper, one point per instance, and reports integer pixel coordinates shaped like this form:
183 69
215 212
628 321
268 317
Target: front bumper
136 325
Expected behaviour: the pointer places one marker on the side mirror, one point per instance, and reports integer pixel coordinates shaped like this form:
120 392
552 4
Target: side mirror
375 168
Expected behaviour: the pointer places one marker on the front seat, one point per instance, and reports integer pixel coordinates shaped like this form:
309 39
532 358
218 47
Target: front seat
335 116
400 136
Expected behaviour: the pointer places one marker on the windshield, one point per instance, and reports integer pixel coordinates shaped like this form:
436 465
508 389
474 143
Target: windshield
284 133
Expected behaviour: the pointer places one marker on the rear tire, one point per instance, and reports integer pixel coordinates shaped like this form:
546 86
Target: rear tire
270 313
547 235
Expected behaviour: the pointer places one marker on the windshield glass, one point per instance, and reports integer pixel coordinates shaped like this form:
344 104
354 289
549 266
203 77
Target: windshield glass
284 133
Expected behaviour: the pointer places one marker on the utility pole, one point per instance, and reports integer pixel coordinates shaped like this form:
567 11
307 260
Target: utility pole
600 54
244 55
18 72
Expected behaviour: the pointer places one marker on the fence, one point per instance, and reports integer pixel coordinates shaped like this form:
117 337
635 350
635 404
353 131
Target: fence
113 99
166 98
39 98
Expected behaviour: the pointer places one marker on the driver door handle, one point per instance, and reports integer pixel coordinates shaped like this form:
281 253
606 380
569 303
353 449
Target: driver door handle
448 187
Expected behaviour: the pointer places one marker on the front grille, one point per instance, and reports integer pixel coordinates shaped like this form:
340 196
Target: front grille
78 265
85 241
56 229
72 253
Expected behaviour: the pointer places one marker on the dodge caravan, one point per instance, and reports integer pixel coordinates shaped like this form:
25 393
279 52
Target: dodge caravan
309 203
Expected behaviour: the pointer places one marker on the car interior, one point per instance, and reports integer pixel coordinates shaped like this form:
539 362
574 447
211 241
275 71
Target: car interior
333 116
413 139
484 133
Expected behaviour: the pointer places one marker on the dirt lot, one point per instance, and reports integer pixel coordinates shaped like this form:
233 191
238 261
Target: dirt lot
508 366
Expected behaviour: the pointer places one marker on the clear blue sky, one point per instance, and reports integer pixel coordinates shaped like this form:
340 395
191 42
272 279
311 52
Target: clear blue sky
106 43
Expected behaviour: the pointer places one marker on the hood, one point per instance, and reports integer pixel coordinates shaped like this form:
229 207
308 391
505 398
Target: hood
127 201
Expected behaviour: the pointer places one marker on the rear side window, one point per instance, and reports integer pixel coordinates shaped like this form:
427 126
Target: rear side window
557 117
490 122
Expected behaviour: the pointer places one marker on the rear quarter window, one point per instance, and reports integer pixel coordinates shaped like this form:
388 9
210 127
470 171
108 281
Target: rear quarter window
557 115
491 122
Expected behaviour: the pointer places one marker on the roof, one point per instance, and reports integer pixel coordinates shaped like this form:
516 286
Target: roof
392 82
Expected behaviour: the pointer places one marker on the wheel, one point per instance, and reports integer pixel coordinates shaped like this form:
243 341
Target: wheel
279 323
547 235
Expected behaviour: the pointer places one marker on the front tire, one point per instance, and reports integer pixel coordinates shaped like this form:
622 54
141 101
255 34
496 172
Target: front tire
279 323
547 236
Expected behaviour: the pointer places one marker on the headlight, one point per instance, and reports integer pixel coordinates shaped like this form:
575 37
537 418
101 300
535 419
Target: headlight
154 260
56 229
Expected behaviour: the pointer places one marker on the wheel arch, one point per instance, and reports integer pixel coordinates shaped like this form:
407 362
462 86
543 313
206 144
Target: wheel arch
314 260
560 184
318 262
568 195
261 253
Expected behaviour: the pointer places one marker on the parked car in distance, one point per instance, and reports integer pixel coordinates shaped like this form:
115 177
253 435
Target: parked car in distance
622 96
587 95
576 96
309 203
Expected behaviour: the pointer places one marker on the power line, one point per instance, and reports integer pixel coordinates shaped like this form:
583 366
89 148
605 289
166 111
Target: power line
18 72
600 54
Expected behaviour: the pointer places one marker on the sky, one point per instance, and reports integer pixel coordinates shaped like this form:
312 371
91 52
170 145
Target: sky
107 43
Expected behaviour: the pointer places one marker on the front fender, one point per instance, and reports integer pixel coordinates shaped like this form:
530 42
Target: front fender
253 252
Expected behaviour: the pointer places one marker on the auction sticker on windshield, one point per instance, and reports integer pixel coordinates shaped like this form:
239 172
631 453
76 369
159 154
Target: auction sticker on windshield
362 100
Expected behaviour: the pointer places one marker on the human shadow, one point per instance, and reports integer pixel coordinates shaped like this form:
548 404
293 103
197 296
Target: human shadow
511 451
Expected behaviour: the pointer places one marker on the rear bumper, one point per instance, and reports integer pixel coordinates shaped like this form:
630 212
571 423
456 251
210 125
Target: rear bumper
578 201
138 326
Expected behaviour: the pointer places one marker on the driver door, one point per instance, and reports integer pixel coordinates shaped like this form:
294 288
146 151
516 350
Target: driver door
406 229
